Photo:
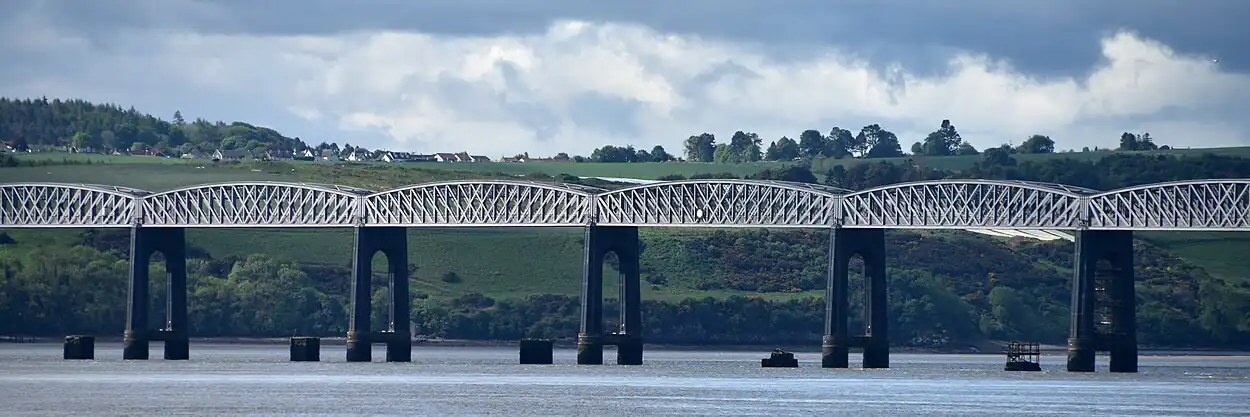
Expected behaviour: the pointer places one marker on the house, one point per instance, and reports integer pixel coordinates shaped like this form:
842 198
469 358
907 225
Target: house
231 155
192 155
146 152
513 159
400 157
446 157
329 155
279 155
463 157
416 157
358 156
480 158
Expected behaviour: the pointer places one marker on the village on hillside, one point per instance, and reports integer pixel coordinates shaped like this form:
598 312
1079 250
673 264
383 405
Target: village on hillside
324 154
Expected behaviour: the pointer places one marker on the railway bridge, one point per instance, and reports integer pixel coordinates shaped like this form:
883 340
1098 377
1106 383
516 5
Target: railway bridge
1101 224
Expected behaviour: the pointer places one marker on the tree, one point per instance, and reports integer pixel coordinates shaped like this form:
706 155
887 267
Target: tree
1037 144
701 148
783 149
81 141
610 153
811 144
881 143
178 120
917 148
942 142
967 149
743 147
1128 142
1000 156
839 143
658 154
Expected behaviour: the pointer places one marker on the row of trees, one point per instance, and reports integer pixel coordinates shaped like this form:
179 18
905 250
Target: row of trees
51 124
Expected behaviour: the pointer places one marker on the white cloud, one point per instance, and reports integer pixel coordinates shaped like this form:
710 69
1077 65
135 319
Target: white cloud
580 85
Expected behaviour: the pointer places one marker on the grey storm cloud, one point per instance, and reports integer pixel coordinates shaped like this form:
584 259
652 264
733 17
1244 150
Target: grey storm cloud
511 75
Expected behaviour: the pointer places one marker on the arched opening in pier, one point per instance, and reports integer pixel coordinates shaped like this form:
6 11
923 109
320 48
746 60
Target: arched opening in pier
857 295
1104 302
382 288
611 292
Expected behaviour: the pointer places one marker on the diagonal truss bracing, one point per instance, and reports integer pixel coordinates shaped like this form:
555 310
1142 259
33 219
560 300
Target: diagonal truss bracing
478 203
1191 205
66 205
719 203
954 204
964 204
254 204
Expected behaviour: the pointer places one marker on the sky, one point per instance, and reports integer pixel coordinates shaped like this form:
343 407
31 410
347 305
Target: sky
501 77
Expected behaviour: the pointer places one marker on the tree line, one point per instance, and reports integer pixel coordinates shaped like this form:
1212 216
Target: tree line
871 141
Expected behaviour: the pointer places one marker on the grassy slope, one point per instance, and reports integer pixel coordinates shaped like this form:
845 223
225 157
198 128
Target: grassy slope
548 253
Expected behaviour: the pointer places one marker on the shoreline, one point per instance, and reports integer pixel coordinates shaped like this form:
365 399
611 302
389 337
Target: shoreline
985 348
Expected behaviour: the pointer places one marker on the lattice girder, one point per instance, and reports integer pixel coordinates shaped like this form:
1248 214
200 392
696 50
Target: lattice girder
1190 205
252 204
966 204
717 203
66 205
478 203
955 204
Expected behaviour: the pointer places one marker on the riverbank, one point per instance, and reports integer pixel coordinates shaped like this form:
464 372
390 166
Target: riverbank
987 347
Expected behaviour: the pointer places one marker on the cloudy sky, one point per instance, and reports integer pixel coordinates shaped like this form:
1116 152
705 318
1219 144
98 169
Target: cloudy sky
543 76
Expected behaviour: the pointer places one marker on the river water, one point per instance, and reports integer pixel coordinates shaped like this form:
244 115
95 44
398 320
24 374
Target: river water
224 380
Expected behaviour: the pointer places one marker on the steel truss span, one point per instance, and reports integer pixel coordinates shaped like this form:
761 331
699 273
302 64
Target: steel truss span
479 203
953 204
720 203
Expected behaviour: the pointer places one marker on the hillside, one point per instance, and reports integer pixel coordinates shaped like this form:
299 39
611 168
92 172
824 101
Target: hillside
704 286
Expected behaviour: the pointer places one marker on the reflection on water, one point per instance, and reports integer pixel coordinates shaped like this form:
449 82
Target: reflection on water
258 380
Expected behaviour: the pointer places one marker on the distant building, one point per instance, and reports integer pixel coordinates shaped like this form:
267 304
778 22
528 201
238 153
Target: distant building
231 155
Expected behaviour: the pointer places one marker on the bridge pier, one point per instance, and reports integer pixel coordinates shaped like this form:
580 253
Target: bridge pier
844 244
172 243
624 242
393 242
1084 340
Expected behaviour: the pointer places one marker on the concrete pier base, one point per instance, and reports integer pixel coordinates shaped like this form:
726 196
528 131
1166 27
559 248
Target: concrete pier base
305 349
876 352
177 345
536 352
1081 355
628 350
134 345
358 347
589 349
79 347
398 346
833 354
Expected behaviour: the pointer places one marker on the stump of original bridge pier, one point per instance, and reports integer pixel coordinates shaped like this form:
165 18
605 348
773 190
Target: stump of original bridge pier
780 359
1023 357
79 347
305 349
536 352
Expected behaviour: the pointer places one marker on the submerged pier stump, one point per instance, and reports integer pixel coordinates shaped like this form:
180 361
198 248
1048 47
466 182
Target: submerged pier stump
1023 357
536 352
780 359
305 349
79 347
